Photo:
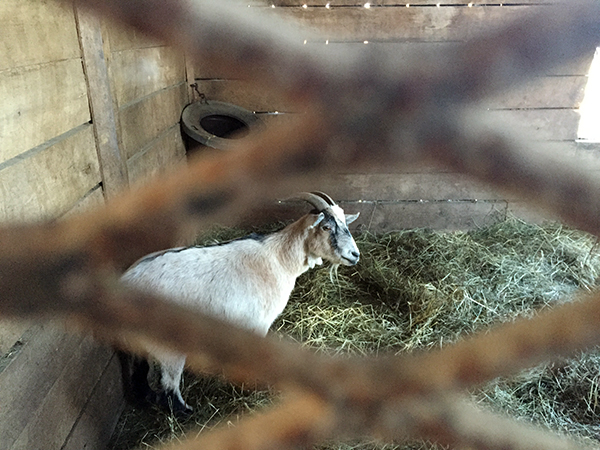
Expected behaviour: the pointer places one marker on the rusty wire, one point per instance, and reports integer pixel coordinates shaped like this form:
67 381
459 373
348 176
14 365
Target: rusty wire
406 113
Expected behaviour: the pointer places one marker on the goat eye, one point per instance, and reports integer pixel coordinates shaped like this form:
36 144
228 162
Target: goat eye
326 228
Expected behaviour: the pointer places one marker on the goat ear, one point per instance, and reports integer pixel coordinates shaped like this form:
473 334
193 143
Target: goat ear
351 218
318 219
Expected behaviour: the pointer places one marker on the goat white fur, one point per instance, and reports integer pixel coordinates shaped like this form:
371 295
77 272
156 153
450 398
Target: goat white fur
246 282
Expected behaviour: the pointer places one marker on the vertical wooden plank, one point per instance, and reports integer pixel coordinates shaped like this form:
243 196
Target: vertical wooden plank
190 76
27 380
112 164
79 374
99 417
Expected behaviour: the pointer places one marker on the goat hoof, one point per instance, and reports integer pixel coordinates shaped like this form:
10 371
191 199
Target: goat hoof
180 409
171 402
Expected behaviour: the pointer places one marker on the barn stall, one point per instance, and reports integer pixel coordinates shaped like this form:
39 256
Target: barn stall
88 109
111 119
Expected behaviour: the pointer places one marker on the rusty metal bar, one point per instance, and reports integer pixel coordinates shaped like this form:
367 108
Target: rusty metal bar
405 114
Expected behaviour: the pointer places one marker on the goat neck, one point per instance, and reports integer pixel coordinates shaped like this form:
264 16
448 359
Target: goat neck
291 248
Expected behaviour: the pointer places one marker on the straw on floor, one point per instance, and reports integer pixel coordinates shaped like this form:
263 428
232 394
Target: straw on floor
413 290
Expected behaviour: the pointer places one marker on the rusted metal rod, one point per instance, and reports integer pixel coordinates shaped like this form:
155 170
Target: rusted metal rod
408 112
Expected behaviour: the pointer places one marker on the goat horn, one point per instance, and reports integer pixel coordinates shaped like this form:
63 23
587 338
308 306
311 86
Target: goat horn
325 197
315 200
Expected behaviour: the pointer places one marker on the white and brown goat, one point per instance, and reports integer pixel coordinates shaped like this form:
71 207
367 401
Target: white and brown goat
246 282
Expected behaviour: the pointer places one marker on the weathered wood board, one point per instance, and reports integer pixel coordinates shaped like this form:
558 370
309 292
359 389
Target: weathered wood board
99 417
377 3
112 163
69 394
149 86
404 187
542 92
459 215
138 73
587 155
531 212
401 23
51 180
163 153
143 121
35 32
34 370
399 51
10 332
244 94
92 199
532 124
39 103
384 216
538 124
122 38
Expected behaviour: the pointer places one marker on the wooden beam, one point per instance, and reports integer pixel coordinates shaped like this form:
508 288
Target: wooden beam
385 217
388 3
406 187
112 164
190 77
580 66
540 92
456 23
382 216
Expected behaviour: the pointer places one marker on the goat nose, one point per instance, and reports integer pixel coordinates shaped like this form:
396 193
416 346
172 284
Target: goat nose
355 254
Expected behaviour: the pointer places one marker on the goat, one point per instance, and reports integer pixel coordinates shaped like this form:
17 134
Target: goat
246 282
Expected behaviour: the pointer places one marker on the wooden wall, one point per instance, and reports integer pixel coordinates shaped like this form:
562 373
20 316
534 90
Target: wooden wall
150 90
544 110
87 108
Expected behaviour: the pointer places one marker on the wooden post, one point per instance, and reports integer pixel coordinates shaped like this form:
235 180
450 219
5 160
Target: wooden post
190 77
112 165
99 416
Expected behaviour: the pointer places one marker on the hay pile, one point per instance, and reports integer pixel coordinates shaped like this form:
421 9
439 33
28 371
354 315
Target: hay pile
422 289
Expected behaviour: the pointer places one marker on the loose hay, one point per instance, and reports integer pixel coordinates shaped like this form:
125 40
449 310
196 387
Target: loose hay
420 289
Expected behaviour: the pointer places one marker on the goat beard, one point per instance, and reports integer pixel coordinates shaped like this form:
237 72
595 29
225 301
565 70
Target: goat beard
333 274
